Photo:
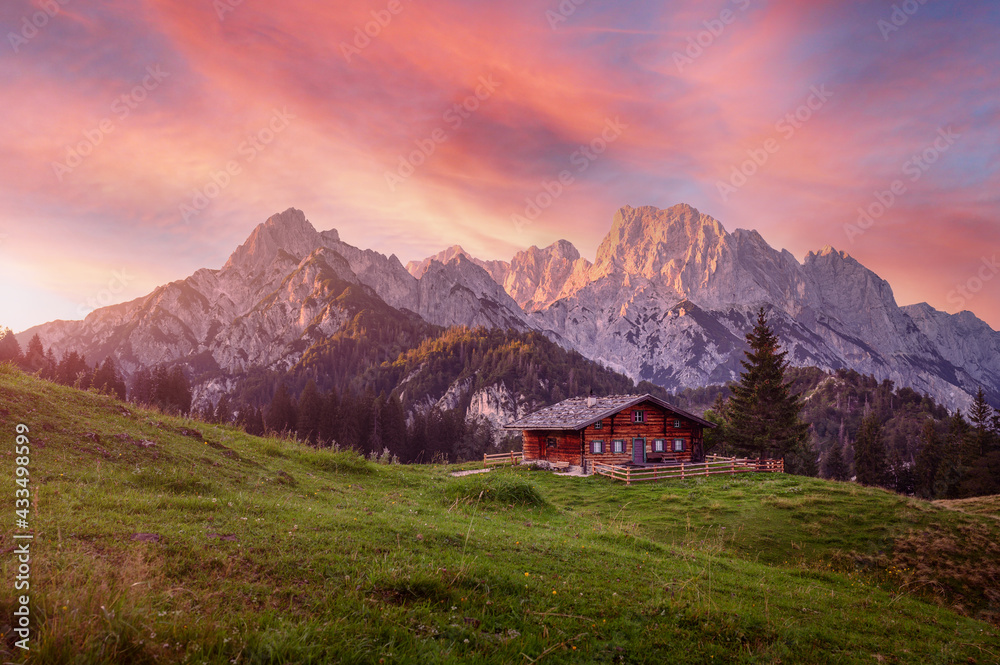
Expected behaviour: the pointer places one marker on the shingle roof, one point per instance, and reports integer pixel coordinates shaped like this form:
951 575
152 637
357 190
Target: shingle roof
573 413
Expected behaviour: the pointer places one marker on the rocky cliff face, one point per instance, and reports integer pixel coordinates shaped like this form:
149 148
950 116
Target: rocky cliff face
671 295
669 298
273 297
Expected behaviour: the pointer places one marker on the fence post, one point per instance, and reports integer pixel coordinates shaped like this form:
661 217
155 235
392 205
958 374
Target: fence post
628 476
682 470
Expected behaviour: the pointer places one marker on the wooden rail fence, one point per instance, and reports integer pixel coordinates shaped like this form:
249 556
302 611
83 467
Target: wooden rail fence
715 466
502 458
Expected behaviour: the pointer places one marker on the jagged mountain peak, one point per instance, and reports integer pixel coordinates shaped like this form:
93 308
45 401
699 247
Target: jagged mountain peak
418 268
288 232
670 303
642 240
830 252
560 249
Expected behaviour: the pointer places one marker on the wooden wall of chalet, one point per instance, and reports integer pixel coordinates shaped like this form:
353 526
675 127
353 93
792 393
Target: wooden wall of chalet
566 449
658 424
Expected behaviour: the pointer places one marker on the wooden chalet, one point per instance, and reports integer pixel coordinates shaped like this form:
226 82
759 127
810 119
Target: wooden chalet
620 429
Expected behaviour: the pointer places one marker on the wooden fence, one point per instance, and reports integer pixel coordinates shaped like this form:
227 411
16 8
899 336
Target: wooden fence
761 465
502 458
715 466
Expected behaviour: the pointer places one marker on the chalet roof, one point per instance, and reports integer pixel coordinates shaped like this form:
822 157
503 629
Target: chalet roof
573 413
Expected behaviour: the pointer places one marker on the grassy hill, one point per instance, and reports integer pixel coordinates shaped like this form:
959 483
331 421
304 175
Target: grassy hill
160 539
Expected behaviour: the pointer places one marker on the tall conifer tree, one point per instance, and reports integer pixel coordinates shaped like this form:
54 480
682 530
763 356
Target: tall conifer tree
763 412
870 463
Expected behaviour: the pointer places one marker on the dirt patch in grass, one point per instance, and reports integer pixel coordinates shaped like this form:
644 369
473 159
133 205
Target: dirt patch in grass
980 505
957 567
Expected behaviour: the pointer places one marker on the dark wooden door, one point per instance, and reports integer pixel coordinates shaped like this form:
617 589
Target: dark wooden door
550 447
638 451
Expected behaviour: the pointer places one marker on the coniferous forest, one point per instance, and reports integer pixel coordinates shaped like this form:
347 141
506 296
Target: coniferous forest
383 397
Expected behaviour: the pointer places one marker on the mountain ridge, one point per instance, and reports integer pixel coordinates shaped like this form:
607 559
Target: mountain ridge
668 299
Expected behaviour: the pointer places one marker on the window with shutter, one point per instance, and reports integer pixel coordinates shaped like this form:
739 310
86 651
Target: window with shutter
618 446
678 445
597 447
658 446
638 416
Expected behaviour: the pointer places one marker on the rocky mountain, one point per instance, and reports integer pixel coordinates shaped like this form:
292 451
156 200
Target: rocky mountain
280 292
668 299
671 295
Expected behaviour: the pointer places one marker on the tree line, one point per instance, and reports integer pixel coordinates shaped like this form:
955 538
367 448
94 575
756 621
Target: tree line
851 426
368 423
167 389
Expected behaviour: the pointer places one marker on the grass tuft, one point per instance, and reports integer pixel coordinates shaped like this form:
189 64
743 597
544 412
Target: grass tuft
502 487
336 462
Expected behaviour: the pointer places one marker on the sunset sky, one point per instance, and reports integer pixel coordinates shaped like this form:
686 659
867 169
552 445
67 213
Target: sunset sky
143 140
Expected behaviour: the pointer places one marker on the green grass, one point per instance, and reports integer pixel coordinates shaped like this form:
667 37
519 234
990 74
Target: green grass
271 552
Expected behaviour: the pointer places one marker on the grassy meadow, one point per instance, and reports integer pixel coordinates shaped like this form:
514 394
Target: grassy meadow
160 540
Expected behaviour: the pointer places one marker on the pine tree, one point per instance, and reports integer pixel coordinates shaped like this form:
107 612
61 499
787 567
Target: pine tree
928 461
716 437
870 463
394 426
250 419
71 369
48 369
981 439
310 414
281 416
950 471
763 412
836 467
34 357
107 380
35 352
10 350
142 387
179 390
329 419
